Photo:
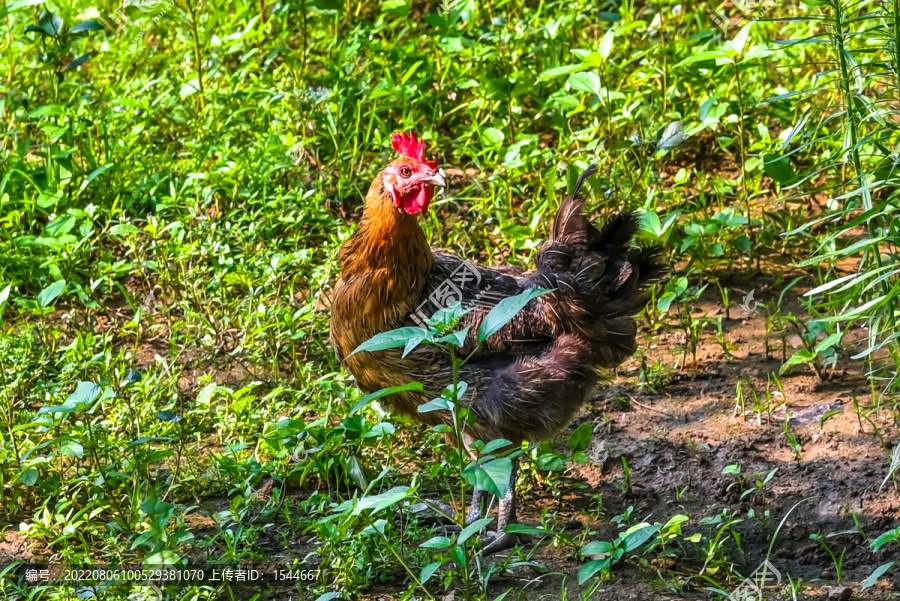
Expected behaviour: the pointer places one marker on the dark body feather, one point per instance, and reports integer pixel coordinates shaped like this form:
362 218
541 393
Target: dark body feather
528 380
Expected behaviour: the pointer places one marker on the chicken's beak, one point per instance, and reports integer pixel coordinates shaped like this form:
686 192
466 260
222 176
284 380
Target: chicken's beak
436 179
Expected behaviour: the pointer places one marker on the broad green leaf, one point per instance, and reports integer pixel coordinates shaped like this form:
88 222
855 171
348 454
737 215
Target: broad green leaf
145 440
758 51
597 548
168 416
50 293
29 477
415 340
17 4
205 396
448 316
457 339
591 568
428 571
472 529
143 539
372 396
551 462
438 404
454 394
888 537
606 43
830 341
492 476
650 223
580 439
51 24
531 530
437 542
84 395
493 445
124 228
801 356
705 56
674 522
456 552
505 311
873 578
557 71
639 534
71 67
383 501
95 174
61 225
87 26
741 38
72 448
492 137
377 527
778 168
48 110
166 557
388 340
587 81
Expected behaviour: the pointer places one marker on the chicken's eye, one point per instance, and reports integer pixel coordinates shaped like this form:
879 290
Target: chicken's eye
405 171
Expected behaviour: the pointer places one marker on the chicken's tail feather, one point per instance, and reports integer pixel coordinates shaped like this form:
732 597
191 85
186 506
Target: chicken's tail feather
588 173
600 277
570 218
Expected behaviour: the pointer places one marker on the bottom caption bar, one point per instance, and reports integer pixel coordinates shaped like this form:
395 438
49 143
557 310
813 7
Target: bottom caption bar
104 575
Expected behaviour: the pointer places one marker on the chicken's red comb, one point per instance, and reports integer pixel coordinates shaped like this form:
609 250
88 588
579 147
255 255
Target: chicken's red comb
409 146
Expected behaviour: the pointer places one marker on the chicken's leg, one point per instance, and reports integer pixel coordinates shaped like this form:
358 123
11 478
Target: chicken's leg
474 513
449 513
506 515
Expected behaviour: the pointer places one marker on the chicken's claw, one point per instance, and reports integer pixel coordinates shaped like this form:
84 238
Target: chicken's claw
491 542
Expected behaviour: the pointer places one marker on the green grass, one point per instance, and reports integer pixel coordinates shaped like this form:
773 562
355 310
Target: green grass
162 164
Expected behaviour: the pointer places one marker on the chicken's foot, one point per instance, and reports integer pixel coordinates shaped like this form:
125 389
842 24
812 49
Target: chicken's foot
447 512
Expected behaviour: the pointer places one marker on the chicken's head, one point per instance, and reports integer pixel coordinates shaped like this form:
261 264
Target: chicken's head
410 180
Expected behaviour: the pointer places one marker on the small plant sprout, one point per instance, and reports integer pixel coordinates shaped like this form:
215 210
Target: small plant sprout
838 561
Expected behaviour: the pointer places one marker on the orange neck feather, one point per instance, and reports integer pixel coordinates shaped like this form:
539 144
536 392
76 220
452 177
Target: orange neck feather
384 264
387 238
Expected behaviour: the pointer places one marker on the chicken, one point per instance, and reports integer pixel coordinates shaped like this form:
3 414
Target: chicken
527 381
